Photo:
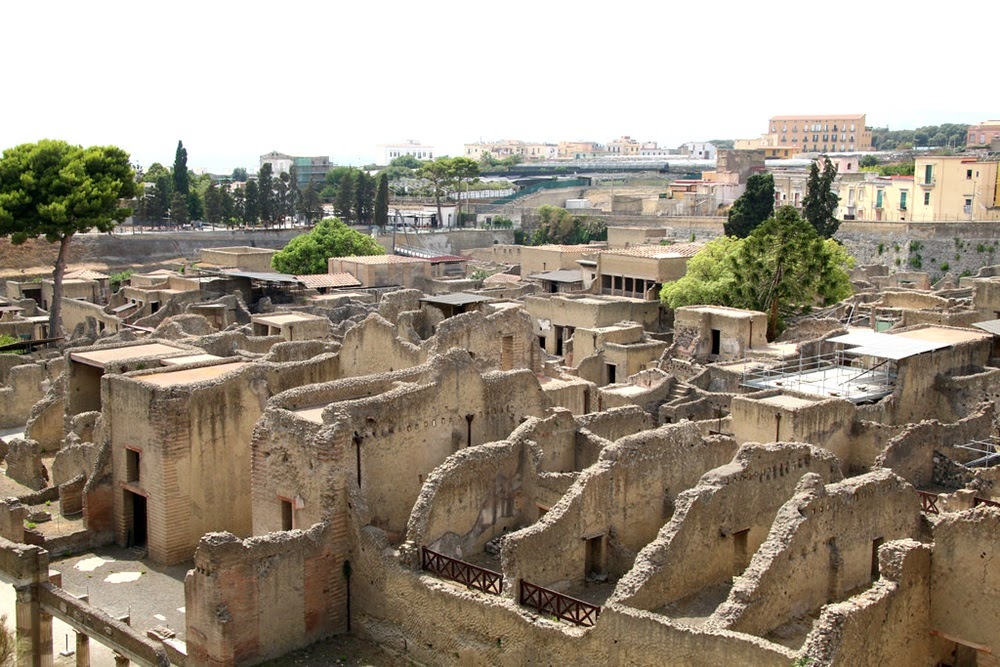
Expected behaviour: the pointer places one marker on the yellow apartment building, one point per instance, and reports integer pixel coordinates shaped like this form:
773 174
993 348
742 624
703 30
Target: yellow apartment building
955 187
874 198
821 133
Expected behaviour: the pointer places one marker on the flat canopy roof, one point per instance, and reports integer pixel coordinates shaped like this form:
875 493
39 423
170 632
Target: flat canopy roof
456 299
100 358
189 359
993 326
561 276
905 344
190 375
264 276
285 318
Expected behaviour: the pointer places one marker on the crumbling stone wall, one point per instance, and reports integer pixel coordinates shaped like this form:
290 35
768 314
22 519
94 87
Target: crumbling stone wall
390 608
626 497
259 598
827 529
502 340
886 625
26 386
911 453
484 491
697 548
965 580
374 347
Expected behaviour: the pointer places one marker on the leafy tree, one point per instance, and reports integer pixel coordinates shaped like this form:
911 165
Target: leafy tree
310 205
364 197
251 204
265 194
709 278
382 201
753 207
228 208
180 169
292 193
868 161
195 206
239 175
462 169
178 209
557 225
438 174
154 172
240 204
820 203
160 206
308 253
213 204
783 267
722 143
407 161
343 204
56 190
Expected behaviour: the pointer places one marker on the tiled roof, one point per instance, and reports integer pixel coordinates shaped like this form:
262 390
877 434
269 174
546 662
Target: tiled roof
660 251
382 259
501 278
329 280
568 248
87 274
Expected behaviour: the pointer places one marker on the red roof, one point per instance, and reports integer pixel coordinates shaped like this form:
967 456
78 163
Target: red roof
328 280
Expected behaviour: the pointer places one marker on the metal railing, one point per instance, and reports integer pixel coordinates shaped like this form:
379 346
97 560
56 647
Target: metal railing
561 606
471 575
928 502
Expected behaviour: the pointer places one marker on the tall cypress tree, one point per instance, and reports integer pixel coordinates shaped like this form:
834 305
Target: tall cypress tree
251 204
382 201
181 169
753 207
820 202
343 203
364 197
265 194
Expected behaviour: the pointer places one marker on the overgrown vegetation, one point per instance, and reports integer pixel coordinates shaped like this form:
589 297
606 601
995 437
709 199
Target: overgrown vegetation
308 253
782 268
947 135
557 225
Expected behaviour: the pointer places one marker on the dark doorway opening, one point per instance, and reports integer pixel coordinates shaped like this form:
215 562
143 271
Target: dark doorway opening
876 543
137 530
595 556
716 341
286 514
740 551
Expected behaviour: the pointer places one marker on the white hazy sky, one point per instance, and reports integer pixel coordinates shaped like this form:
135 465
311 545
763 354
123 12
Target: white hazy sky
235 80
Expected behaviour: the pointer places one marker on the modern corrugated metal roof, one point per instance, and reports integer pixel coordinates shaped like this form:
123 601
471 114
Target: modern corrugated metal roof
992 326
456 299
886 346
264 276
560 276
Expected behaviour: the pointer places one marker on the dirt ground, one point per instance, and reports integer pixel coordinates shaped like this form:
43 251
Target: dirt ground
340 651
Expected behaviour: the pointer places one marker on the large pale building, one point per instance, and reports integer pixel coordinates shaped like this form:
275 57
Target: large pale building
821 133
392 151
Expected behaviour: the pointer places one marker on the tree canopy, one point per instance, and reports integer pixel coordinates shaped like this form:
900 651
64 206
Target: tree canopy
753 207
557 225
55 190
782 268
308 253
820 203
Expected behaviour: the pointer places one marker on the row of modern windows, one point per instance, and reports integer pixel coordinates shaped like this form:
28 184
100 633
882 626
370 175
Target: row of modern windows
814 127
826 137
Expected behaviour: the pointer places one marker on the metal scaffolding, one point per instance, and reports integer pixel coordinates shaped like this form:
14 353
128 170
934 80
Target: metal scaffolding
987 450
832 375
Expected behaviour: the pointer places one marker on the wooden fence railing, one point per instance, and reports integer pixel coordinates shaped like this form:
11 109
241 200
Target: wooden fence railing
928 502
471 575
559 605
